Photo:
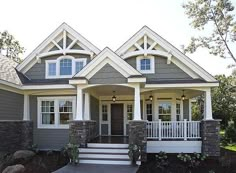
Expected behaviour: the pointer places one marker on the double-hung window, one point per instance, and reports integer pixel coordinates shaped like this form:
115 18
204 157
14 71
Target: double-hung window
146 64
65 67
55 112
149 111
178 111
164 110
129 112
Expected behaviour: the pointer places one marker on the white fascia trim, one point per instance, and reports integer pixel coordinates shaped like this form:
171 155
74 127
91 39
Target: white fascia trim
78 81
11 89
135 80
10 84
60 29
43 87
184 85
98 63
148 52
138 64
167 46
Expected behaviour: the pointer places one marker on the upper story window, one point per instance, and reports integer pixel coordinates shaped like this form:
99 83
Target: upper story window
145 64
64 67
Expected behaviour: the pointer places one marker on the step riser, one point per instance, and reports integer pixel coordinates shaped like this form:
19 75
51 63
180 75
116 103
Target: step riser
116 146
92 150
110 162
103 156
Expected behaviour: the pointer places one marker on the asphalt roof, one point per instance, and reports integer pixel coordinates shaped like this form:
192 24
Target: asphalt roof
8 72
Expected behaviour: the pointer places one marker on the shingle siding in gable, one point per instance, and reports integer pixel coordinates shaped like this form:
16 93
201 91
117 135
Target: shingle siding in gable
37 72
107 75
163 71
11 105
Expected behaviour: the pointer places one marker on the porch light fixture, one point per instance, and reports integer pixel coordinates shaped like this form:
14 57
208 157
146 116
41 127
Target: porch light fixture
114 97
183 96
151 97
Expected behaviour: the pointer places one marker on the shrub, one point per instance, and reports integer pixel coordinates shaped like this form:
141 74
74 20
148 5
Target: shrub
134 152
230 133
161 160
192 161
72 151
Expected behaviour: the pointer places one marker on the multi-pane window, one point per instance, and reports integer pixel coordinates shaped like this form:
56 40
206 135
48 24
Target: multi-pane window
51 69
104 113
54 112
164 110
178 111
48 112
149 111
129 112
65 111
145 64
78 66
66 67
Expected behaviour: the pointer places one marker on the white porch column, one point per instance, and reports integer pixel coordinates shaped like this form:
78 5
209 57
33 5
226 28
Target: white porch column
137 108
26 115
87 107
208 106
79 104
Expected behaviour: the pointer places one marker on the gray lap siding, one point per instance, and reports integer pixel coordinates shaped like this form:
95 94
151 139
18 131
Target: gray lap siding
163 71
46 139
11 105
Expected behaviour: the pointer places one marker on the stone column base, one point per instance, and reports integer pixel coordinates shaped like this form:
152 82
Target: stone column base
138 136
82 132
210 132
16 135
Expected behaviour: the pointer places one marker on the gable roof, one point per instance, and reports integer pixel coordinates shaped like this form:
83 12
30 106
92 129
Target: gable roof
51 46
107 56
165 49
8 72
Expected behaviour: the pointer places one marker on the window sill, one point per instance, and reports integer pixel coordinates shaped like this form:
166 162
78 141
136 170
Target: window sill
147 71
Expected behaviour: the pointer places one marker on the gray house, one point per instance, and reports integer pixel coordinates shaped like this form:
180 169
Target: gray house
67 90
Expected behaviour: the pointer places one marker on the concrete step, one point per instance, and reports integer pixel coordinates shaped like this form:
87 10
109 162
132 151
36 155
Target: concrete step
103 150
105 161
104 145
104 156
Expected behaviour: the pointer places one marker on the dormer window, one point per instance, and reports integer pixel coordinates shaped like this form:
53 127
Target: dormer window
64 67
145 64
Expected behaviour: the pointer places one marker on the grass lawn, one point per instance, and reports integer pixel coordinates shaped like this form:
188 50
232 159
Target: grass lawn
231 147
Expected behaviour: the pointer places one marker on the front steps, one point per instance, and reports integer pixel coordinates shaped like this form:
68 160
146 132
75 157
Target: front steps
100 153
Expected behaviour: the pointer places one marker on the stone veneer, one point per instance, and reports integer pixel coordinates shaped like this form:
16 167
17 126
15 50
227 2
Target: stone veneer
81 132
138 136
210 132
16 135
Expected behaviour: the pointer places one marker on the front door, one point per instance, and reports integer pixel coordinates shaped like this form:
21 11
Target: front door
117 119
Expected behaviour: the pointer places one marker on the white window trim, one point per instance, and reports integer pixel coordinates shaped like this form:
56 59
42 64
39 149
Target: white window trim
57 125
57 61
152 65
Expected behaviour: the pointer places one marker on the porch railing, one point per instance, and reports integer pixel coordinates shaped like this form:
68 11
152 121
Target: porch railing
180 130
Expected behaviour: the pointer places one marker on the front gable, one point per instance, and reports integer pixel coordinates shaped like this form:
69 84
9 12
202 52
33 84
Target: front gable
63 41
147 43
110 62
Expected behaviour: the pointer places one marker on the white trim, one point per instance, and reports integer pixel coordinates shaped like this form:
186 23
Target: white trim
107 56
78 81
174 146
26 115
57 61
142 52
56 112
138 79
182 85
167 46
42 87
152 64
63 26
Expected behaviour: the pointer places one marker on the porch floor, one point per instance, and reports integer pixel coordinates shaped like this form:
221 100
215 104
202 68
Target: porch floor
111 139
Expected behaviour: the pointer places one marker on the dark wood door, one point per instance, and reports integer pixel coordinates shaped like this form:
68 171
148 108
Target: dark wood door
117 119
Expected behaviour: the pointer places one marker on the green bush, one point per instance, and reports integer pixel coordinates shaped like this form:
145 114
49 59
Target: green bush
72 151
134 152
161 160
230 133
193 160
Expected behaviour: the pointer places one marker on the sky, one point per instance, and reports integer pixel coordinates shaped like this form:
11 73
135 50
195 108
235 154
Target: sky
105 23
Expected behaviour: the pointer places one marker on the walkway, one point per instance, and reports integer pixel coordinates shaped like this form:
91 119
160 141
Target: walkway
92 168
